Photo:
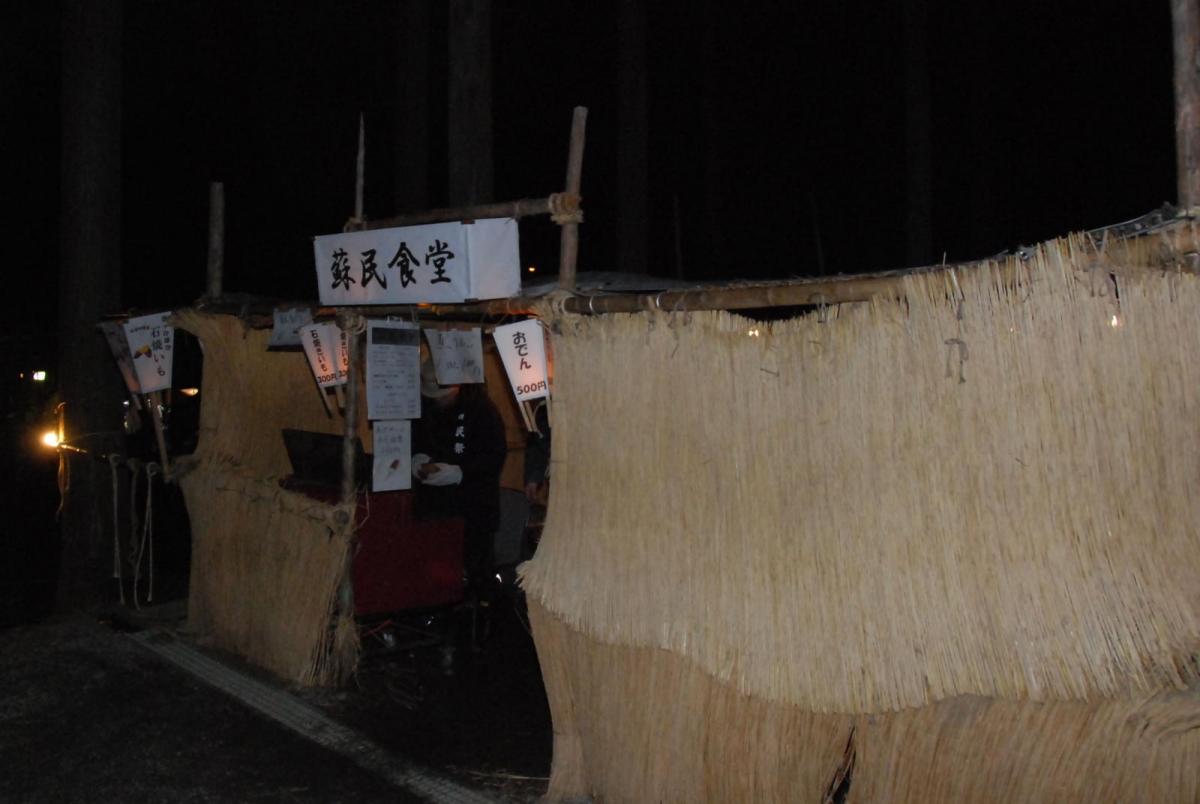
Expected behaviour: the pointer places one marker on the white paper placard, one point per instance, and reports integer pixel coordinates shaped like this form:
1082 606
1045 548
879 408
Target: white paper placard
323 348
436 262
393 455
493 246
523 351
285 331
151 346
114 334
393 370
457 355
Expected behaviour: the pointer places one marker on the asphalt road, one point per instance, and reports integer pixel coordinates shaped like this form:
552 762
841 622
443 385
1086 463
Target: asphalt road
87 714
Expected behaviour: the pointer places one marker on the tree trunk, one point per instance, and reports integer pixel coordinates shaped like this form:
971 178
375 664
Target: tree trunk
632 182
917 150
1185 23
412 106
469 114
90 286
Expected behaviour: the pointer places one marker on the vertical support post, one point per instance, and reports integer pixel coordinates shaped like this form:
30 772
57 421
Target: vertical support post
350 323
216 239
349 493
155 399
360 170
569 243
1185 25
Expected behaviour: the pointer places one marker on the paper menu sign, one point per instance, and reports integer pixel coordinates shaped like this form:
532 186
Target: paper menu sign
393 455
114 334
151 344
522 347
325 349
393 370
285 331
457 355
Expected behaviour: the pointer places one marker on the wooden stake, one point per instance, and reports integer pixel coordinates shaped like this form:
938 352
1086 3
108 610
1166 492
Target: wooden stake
360 169
155 399
1185 24
325 401
569 242
216 239
349 452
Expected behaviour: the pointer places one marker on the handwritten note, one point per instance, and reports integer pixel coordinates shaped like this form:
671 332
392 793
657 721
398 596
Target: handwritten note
285 331
457 355
393 456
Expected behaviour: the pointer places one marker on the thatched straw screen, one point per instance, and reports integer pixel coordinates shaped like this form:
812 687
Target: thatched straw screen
266 563
984 488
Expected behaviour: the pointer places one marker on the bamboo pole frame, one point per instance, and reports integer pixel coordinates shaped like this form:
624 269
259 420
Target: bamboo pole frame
568 250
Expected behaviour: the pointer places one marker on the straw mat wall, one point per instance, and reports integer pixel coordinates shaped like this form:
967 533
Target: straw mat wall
982 489
266 563
643 724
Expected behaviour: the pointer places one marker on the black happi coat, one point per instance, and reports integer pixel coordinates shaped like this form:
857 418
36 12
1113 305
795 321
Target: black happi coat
469 434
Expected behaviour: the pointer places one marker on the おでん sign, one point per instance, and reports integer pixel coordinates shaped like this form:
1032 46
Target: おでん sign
522 347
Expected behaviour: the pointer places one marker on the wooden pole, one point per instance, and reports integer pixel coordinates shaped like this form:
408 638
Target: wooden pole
159 434
350 324
216 239
1172 242
1185 24
523 208
569 244
360 169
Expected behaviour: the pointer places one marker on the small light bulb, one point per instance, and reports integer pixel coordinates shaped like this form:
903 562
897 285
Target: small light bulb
39 376
1115 321
50 439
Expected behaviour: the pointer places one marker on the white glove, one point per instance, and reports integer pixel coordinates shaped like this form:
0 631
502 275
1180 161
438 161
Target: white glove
447 474
419 460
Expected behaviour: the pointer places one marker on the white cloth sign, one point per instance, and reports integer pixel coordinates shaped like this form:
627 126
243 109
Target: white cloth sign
393 370
114 334
523 350
151 346
324 347
393 455
286 330
436 262
457 355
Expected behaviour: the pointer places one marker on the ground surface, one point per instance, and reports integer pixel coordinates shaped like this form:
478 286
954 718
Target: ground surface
89 714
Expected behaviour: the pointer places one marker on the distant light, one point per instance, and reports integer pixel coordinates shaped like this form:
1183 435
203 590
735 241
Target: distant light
189 391
753 333
532 269
39 376
50 439
1115 321
21 376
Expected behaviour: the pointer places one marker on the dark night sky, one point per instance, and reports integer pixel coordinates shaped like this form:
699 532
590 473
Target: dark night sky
1047 117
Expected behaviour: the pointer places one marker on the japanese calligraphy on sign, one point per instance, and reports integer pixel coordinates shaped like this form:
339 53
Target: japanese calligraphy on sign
393 370
392 469
285 331
523 350
114 334
437 262
457 355
324 346
151 348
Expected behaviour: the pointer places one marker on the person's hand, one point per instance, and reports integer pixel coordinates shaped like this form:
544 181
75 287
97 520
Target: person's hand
426 470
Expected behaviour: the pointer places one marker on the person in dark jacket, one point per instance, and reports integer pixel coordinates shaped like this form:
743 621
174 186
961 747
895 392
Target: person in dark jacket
458 452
